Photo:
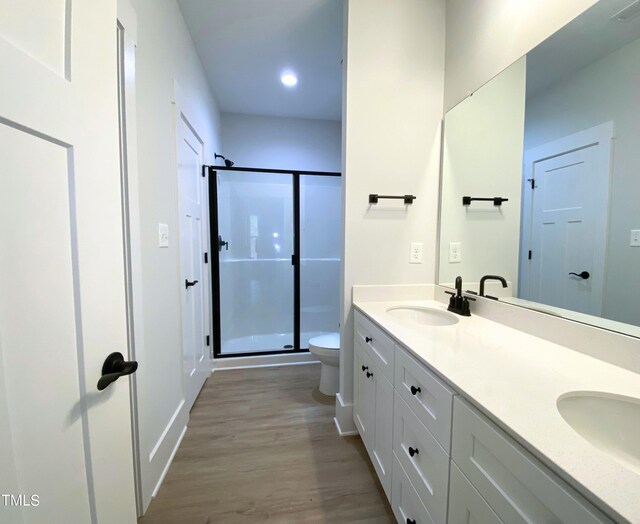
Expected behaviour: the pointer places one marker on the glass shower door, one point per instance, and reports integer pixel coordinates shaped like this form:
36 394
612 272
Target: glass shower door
320 249
256 227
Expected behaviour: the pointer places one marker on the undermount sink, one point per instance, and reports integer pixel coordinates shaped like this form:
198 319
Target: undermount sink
425 316
608 422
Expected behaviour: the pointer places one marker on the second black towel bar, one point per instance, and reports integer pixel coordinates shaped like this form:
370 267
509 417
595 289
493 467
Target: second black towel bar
497 201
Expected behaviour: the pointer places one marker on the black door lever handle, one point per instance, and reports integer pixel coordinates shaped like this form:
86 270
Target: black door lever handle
114 367
188 284
584 275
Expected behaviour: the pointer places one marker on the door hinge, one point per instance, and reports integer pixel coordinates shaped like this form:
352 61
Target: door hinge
208 340
532 181
206 258
530 254
293 260
204 171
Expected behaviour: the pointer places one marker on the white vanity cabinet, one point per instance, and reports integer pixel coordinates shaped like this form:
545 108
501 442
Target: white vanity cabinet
428 397
465 503
514 484
373 411
379 345
438 458
406 427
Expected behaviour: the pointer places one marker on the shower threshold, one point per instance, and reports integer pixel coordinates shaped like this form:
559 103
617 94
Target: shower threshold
266 343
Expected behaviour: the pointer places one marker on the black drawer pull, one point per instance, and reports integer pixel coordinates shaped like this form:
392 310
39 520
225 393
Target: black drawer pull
369 374
413 451
415 390
364 368
411 521
368 339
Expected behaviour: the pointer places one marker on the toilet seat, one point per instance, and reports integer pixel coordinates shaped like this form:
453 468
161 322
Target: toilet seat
325 343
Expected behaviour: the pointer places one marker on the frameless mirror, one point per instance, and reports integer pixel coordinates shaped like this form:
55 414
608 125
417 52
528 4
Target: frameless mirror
541 176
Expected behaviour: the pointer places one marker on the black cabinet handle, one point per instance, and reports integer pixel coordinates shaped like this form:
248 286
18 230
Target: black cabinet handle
188 284
368 339
369 374
364 368
411 521
114 367
413 451
415 390
584 275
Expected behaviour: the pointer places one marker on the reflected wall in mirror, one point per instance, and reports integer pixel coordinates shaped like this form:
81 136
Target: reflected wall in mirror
558 135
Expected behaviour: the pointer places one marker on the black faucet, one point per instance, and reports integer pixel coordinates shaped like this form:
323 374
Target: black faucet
458 303
491 277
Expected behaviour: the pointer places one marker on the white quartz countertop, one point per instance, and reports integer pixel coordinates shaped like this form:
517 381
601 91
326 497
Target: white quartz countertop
516 379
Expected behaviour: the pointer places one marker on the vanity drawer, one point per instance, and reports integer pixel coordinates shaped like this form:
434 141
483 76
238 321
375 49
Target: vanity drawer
429 398
424 461
465 503
404 499
515 485
377 343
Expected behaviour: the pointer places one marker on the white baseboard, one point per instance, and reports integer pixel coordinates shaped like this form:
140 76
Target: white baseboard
166 468
166 431
344 433
344 417
155 462
262 361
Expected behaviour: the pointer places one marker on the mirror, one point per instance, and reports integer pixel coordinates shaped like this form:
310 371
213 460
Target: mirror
547 155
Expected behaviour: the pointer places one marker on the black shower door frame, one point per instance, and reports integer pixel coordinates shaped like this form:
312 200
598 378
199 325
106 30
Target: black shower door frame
215 258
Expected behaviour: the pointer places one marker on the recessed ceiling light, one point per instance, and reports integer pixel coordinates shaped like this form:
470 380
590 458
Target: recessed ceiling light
289 79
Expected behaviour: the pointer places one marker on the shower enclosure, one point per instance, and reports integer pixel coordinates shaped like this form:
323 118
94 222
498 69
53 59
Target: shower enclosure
276 240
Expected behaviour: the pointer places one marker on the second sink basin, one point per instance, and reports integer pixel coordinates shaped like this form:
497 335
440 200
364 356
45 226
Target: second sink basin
608 422
425 316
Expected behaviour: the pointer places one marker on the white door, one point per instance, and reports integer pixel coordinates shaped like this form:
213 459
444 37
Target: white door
569 215
65 447
192 230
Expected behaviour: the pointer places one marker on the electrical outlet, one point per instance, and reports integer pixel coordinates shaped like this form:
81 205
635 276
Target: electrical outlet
415 257
163 235
455 253
635 238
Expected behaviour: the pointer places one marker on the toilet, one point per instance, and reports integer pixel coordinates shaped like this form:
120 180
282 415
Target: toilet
327 350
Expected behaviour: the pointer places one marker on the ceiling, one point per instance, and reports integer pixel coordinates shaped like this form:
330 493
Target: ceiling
591 36
244 46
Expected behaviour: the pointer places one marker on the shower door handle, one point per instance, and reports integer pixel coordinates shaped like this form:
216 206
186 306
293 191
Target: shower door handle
222 244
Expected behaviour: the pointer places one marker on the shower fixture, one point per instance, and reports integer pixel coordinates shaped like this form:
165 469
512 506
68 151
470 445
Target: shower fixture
227 163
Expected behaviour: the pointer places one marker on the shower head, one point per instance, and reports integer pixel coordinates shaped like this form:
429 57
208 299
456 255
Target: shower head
227 163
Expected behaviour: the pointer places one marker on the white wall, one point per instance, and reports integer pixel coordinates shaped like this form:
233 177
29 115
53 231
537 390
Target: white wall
392 96
486 36
164 53
602 92
281 143
478 163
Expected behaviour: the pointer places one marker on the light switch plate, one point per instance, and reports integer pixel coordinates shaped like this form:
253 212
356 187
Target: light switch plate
415 257
635 238
163 235
455 252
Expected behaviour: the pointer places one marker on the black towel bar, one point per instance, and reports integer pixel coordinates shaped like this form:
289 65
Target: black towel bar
497 201
408 199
